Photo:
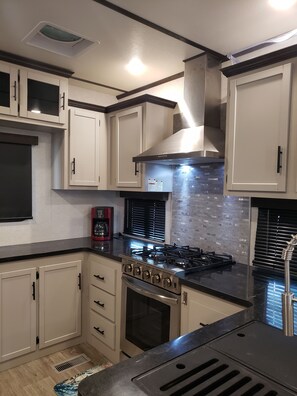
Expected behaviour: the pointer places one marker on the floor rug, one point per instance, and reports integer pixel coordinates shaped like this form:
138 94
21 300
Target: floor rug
69 387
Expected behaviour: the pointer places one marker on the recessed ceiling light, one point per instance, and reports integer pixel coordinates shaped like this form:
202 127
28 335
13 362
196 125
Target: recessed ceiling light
135 66
282 4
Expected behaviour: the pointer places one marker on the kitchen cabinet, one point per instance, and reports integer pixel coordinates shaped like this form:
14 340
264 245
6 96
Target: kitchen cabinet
104 306
29 94
8 89
59 302
40 307
261 133
132 131
17 313
84 142
199 309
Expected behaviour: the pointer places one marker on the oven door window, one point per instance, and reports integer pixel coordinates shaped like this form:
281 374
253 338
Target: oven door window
147 321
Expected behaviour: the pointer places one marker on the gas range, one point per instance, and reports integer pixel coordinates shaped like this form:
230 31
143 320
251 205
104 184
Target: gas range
159 264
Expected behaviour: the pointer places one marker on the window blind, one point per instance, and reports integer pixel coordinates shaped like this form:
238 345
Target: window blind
145 218
274 229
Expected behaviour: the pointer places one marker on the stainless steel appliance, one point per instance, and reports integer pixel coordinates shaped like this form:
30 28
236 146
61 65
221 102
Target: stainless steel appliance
151 292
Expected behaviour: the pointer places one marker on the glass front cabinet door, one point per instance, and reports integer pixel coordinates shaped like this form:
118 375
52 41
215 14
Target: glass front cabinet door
43 97
8 89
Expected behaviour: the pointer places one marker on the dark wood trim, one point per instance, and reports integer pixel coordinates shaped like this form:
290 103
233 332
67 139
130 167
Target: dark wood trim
86 106
261 61
34 64
159 196
159 28
139 100
273 203
151 85
98 84
18 139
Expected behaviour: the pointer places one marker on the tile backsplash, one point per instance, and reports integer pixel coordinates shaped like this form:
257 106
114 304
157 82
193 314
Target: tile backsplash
202 216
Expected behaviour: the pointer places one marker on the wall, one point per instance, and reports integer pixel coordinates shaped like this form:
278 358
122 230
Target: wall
202 216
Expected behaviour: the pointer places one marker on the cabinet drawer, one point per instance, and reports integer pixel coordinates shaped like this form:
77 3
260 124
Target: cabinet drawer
102 302
102 329
103 277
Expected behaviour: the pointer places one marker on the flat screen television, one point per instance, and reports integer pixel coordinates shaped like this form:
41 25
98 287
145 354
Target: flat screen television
15 178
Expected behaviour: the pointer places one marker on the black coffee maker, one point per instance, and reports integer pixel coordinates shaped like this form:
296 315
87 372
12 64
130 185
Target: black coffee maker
102 223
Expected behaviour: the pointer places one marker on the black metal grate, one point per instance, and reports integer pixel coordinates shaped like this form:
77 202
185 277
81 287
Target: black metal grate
70 363
145 218
274 229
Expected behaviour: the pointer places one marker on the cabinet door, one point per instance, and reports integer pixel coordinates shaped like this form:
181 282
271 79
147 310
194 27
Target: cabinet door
17 313
8 89
84 147
126 142
43 97
258 122
200 309
59 302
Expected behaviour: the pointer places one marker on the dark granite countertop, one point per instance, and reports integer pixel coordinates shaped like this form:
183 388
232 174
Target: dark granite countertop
110 249
261 295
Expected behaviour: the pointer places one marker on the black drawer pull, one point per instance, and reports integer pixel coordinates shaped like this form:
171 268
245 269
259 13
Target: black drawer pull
203 324
99 277
99 331
101 304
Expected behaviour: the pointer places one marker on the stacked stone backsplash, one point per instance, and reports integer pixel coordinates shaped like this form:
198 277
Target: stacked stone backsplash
202 216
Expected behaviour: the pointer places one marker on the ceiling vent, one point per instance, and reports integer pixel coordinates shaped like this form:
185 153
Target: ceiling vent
55 39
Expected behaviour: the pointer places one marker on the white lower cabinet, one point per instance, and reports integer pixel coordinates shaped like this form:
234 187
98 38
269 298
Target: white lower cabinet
200 309
17 313
40 303
105 306
59 302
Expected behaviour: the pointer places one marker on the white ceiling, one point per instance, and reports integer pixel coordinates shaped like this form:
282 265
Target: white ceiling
222 25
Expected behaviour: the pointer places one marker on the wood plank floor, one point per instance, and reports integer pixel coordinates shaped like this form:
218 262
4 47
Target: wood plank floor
37 378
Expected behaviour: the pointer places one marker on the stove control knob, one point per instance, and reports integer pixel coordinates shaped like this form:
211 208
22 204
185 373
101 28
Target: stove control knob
137 271
128 268
167 282
146 274
156 278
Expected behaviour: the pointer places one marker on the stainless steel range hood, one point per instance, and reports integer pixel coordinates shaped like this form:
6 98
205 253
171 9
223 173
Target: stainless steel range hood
198 137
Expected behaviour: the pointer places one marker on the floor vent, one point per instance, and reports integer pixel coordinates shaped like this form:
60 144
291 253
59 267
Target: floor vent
70 363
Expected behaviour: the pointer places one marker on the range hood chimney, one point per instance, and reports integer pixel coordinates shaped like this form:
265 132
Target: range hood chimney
197 136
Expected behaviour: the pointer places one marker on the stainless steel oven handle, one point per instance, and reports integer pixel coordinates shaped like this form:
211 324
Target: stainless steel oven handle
145 290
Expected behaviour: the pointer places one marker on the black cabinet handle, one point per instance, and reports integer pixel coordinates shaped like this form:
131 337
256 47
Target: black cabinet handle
33 290
63 101
99 277
136 168
99 331
73 166
79 281
101 304
15 90
279 159
203 324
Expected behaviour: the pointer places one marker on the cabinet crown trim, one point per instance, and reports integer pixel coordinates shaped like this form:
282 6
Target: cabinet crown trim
34 64
261 61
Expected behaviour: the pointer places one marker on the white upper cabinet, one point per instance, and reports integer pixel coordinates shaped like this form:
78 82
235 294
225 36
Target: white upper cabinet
126 142
257 130
83 147
32 96
43 96
132 131
8 89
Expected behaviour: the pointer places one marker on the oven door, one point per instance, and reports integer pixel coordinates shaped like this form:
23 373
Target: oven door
150 316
